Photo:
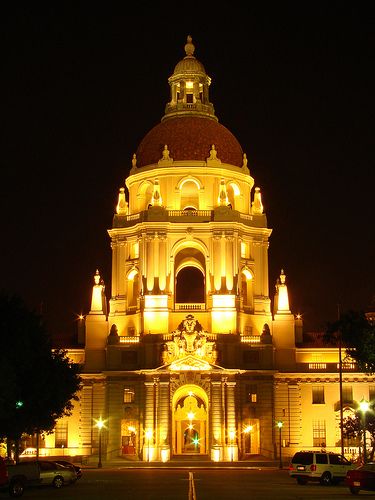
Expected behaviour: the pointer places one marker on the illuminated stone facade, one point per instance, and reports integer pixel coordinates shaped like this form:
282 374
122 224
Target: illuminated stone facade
190 359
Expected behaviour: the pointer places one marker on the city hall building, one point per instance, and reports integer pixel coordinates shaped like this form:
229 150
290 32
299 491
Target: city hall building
192 355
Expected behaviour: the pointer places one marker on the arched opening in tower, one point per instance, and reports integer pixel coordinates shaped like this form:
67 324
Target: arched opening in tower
190 285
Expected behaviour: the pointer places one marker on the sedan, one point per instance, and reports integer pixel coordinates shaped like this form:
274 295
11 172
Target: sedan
76 468
362 478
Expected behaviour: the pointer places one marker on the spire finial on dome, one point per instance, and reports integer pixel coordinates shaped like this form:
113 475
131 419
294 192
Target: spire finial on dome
189 47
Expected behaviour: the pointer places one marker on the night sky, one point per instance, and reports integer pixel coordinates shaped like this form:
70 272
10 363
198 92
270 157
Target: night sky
83 85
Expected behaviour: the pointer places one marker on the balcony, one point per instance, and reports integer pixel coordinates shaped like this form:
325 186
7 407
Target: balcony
160 214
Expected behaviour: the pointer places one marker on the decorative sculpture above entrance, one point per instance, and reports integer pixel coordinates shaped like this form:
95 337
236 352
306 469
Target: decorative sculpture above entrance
189 340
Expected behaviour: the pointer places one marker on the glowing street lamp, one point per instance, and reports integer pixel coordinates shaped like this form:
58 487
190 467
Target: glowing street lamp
364 407
148 435
280 424
100 424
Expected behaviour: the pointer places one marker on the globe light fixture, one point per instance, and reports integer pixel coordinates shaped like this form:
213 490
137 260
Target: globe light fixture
100 424
364 407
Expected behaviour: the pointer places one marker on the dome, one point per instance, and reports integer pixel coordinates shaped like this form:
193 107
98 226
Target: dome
189 65
189 138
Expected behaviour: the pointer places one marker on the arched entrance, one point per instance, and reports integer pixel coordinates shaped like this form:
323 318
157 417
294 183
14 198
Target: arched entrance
190 421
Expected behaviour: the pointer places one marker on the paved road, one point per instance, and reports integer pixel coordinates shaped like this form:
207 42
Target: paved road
163 484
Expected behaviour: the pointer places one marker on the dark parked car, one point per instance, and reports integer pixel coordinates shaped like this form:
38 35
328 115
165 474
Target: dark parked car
40 473
361 478
77 469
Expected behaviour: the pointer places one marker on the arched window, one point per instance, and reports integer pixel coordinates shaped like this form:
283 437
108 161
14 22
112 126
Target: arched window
133 287
189 195
144 195
190 285
247 288
233 192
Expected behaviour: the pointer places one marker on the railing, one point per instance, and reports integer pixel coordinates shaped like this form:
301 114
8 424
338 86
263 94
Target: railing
129 340
189 213
133 216
317 366
347 366
250 339
326 367
246 216
190 307
181 216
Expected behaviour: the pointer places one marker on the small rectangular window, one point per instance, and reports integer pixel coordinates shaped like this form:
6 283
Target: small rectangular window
319 433
252 393
318 395
129 395
61 435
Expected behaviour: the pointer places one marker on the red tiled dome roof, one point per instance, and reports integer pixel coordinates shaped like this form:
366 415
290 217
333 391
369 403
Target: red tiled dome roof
189 138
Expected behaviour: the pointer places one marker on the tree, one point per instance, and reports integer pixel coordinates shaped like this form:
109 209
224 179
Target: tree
357 335
38 384
353 429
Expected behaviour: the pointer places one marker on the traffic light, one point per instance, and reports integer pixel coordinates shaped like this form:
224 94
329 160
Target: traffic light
19 404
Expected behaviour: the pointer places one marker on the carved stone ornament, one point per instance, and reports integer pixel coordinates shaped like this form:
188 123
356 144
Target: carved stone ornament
189 341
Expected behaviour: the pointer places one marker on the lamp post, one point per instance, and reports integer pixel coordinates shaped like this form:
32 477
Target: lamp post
100 425
364 407
280 426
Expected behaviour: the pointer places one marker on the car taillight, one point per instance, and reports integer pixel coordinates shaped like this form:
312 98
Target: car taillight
313 468
290 466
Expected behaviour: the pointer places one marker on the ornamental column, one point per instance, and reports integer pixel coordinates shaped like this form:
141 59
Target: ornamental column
216 422
229 262
163 422
120 266
162 262
150 262
150 416
216 261
231 428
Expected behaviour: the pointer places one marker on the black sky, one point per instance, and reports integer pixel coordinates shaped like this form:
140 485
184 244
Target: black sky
83 85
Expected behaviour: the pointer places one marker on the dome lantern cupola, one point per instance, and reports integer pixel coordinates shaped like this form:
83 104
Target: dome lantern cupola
189 88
